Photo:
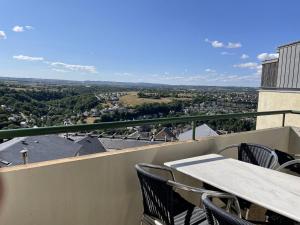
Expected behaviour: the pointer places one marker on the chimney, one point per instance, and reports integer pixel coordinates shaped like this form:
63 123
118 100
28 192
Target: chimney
24 154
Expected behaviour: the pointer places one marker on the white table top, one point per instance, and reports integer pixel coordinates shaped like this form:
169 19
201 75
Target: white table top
270 189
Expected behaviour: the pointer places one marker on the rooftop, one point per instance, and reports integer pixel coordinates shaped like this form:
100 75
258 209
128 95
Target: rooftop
121 143
90 144
201 131
40 148
289 44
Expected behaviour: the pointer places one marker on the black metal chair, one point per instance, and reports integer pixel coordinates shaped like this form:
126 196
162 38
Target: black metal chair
283 157
255 154
292 165
162 203
275 218
218 216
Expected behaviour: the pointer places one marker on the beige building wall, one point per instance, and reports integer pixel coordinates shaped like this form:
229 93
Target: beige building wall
278 100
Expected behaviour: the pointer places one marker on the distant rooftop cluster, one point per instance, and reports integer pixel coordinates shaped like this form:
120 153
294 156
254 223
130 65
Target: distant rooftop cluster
33 149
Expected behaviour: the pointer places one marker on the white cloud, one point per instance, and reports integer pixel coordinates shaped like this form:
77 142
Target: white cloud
212 79
163 77
267 56
29 27
259 70
227 53
248 65
215 44
74 67
60 66
218 79
2 35
234 45
220 44
155 75
244 56
124 74
210 70
59 70
224 79
28 58
171 77
18 29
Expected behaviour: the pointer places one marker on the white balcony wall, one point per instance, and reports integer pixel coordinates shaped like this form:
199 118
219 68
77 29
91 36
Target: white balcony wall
103 188
278 100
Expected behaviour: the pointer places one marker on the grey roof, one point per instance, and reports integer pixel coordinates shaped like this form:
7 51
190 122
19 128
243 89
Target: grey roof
90 144
40 148
140 134
270 61
201 131
291 43
165 132
117 143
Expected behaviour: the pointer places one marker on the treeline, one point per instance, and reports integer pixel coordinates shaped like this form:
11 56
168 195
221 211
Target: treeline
233 125
149 110
78 103
53 105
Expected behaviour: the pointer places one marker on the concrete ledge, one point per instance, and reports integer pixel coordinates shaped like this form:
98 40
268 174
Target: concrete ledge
103 188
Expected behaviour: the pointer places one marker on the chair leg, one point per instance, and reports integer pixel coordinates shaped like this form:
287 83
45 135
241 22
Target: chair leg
247 214
266 219
144 221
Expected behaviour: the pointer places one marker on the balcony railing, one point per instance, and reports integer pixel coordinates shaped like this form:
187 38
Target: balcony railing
12 133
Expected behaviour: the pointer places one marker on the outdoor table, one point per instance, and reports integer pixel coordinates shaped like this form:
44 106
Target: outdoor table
273 190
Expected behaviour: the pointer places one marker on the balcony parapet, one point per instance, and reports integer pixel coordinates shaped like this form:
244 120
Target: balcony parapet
12 133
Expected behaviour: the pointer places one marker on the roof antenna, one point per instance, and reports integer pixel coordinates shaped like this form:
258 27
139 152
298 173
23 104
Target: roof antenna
24 154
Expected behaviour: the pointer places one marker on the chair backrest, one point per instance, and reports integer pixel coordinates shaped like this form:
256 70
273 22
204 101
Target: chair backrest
157 195
258 155
218 216
283 157
293 165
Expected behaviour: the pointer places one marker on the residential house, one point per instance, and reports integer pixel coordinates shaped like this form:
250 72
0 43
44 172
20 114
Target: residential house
165 134
201 131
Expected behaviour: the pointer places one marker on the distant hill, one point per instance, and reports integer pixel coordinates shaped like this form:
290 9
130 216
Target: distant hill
115 84
73 82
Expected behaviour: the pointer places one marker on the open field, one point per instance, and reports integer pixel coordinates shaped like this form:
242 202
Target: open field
90 120
131 99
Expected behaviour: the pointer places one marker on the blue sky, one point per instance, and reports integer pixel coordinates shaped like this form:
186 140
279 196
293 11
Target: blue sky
158 41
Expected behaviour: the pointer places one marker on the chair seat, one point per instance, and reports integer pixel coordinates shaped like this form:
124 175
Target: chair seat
244 204
192 217
195 216
278 219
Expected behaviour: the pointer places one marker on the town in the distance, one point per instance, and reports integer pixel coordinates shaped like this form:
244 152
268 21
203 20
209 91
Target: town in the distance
30 103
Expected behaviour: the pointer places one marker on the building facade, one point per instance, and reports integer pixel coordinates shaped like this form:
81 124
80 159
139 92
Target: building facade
280 87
